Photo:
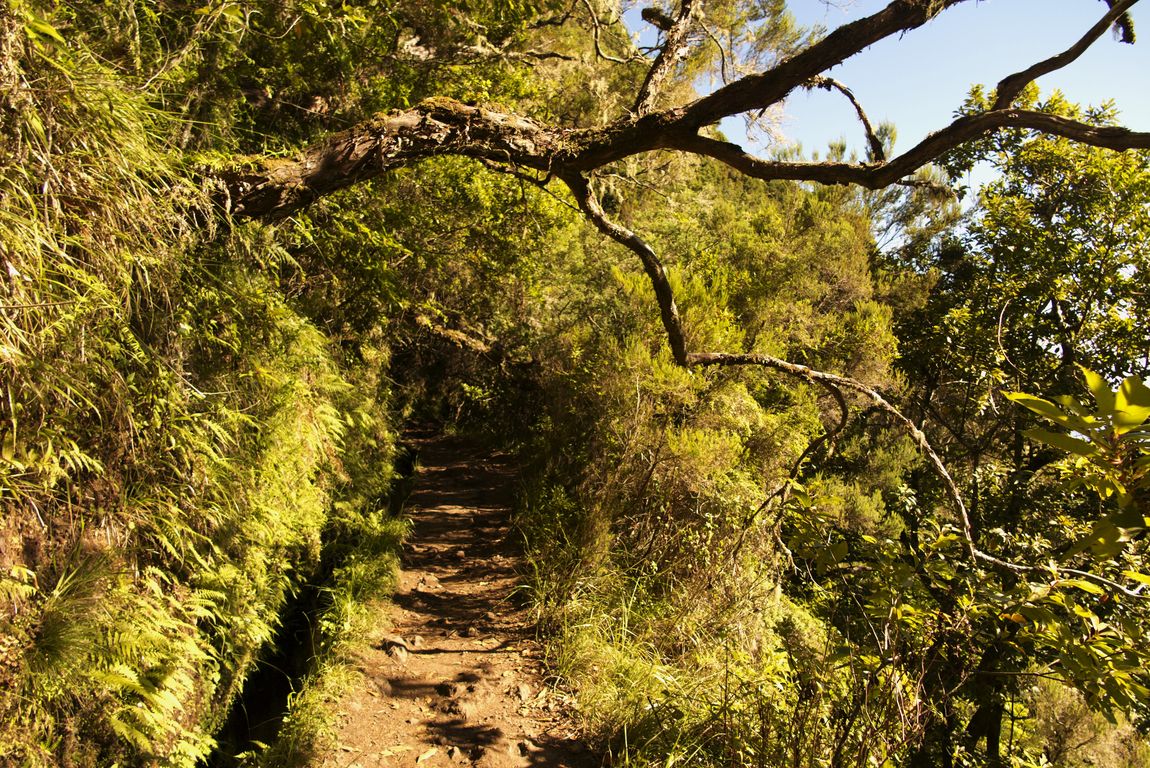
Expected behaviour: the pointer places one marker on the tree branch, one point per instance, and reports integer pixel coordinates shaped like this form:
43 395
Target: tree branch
674 50
596 33
833 383
845 382
494 53
271 188
654 268
760 91
1011 86
880 175
877 154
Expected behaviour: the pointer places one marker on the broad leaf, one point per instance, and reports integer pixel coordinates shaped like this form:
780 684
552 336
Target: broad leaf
1042 407
1064 442
1131 405
1100 388
1085 586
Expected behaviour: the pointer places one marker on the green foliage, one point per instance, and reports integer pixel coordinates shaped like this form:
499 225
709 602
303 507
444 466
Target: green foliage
1103 654
174 432
1032 290
655 561
1108 442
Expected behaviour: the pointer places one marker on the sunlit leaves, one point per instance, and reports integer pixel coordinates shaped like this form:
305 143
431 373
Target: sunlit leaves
1108 440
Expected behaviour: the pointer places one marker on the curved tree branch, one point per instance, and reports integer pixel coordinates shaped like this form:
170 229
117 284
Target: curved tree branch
271 188
723 55
654 268
760 91
880 175
845 382
1009 87
276 187
877 154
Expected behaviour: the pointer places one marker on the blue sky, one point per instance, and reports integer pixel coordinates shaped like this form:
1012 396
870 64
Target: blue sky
918 81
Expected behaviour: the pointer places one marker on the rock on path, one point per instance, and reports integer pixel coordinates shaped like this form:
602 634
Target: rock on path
457 679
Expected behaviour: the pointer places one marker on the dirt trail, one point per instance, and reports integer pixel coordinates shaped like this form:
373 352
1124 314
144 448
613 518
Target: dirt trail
457 680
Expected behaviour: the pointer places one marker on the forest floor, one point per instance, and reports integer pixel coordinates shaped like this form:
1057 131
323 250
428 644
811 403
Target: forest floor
458 678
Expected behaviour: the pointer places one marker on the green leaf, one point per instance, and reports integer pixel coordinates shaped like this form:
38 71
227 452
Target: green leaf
799 492
1071 405
1100 388
1141 578
831 555
1063 442
1105 539
233 13
38 27
1085 586
1040 406
1133 392
1037 614
1131 405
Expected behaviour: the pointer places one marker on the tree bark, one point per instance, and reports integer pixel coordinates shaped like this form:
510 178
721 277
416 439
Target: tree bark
267 188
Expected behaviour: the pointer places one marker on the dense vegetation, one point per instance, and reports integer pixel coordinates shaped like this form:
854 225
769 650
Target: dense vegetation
905 526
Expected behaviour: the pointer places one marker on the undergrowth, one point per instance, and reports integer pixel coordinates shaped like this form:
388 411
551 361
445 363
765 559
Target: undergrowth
667 587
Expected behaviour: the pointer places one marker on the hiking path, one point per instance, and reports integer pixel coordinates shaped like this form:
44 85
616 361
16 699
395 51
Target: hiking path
458 678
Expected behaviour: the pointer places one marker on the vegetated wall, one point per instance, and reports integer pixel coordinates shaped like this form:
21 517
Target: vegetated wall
195 412
177 442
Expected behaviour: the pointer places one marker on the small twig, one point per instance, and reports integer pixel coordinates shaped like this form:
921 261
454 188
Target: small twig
596 32
492 52
513 170
722 52
555 21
